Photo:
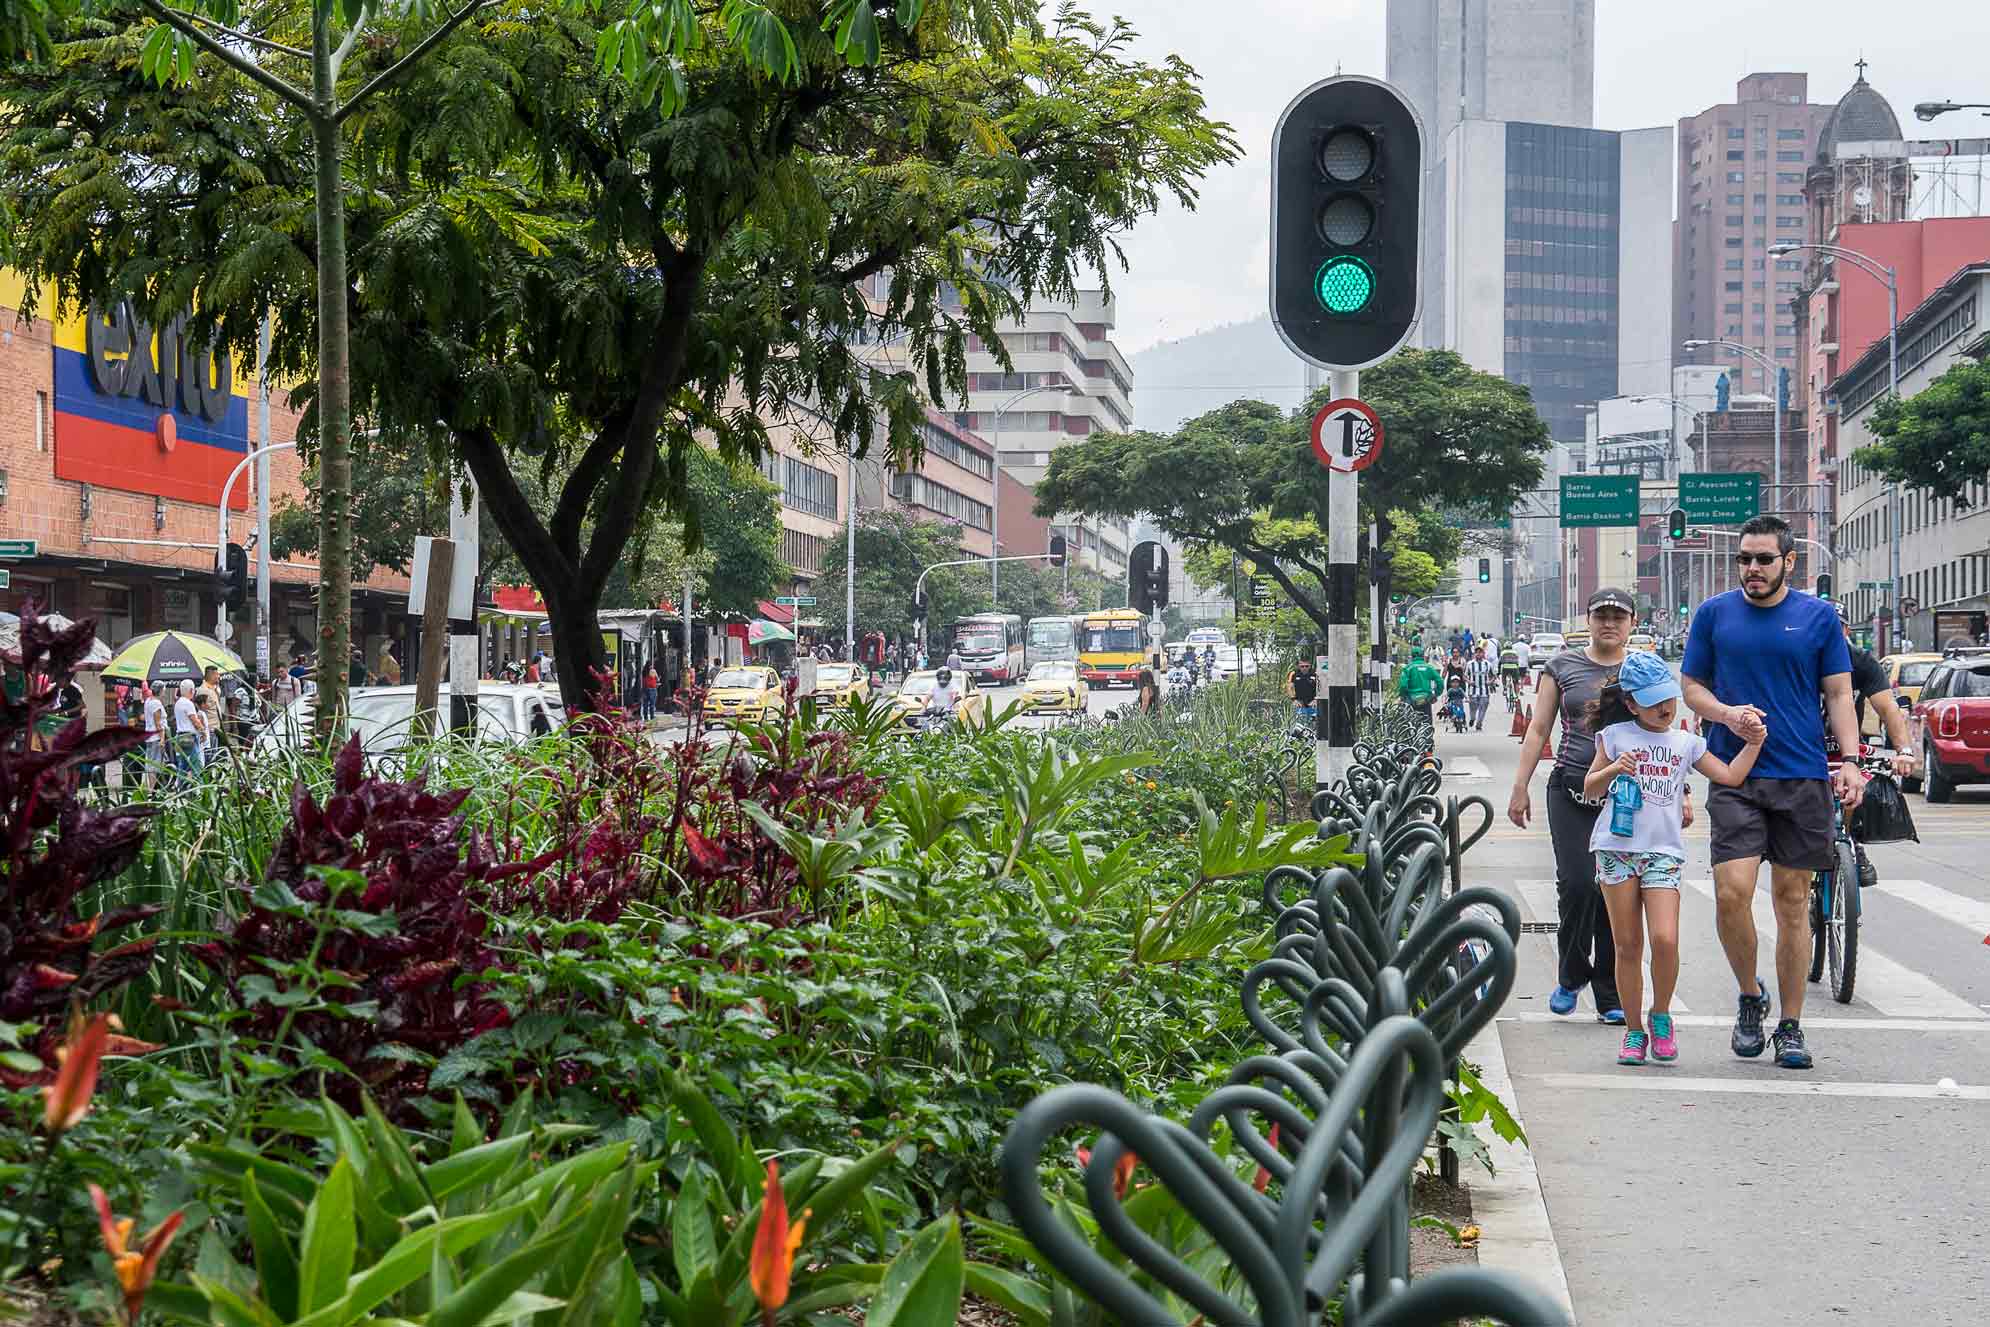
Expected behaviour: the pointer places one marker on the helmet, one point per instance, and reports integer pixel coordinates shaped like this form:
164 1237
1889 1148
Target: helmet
946 675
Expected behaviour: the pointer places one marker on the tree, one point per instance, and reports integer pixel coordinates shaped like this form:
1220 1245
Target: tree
600 239
1244 478
1939 438
893 547
736 512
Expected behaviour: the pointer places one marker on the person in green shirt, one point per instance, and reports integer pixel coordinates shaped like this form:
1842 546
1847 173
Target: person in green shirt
1419 685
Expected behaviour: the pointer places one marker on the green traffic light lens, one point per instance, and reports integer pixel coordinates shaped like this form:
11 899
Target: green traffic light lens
1344 285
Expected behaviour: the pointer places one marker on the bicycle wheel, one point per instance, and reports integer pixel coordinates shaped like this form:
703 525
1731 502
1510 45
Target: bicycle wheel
1842 926
1818 889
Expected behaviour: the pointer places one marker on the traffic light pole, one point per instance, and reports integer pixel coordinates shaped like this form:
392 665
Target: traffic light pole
221 525
1333 749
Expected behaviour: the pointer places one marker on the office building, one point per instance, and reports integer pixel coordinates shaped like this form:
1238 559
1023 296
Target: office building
1742 166
1457 60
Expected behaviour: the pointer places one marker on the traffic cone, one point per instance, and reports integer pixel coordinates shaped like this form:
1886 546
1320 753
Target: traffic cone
1519 728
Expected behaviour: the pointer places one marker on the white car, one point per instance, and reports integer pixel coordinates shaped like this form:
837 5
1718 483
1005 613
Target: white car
1232 662
508 713
1543 645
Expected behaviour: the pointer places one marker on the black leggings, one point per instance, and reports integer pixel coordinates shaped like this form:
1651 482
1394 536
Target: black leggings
1588 951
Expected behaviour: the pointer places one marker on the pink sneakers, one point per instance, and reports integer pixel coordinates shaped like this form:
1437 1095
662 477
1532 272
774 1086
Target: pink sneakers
1634 1049
1663 1048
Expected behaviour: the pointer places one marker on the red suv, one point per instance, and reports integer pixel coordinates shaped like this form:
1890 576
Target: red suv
1951 723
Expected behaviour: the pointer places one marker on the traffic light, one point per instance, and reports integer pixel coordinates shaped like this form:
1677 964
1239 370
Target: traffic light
1979 624
918 606
1147 578
233 579
1395 598
1346 227
1485 571
1682 608
1823 585
1057 550
1675 523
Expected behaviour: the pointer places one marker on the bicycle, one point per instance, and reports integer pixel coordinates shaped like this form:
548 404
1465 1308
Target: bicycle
1835 899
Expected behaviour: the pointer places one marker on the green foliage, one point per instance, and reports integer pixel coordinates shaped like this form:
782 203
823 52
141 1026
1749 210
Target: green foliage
1939 438
732 515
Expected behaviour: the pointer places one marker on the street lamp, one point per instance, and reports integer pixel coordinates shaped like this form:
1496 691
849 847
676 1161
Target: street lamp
1775 372
1928 110
995 533
850 520
1887 274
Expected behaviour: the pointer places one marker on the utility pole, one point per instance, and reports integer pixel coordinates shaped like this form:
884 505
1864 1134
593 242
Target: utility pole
263 659
465 642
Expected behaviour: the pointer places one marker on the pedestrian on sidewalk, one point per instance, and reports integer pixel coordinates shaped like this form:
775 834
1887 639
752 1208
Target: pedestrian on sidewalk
1478 686
1569 683
1419 685
1754 655
1640 771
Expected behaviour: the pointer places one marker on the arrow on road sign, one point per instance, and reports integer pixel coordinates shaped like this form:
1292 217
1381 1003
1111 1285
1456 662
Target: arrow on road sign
1347 435
19 548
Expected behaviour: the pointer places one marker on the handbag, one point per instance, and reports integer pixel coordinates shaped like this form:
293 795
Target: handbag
1883 816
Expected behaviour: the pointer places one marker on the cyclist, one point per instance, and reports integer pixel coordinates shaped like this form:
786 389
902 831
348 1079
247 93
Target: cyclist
1509 673
1420 684
1869 683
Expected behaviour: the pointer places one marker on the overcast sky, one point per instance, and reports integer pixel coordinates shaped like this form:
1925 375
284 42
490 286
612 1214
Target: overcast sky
1656 60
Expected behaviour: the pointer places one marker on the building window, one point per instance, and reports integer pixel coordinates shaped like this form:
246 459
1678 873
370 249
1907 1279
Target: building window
1796 134
1731 285
1736 177
1789 264
41 421
1732 241
804 487
1737 132
1737 155
1789 200
1789 223
1789 156
1734 200
954 505
1734 219
1789 177
1730 308
938 442
1732 265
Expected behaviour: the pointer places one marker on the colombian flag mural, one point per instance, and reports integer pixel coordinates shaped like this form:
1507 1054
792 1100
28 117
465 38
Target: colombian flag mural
144 409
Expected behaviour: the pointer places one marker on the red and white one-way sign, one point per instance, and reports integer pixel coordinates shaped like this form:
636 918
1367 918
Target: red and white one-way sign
1347 435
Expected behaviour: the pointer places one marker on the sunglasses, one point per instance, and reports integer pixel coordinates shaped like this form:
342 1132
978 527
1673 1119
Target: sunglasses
1757 559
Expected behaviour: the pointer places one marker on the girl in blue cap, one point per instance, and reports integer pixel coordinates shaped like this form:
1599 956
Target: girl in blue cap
1641 761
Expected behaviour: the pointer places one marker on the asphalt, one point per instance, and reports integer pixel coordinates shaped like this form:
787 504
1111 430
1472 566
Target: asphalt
1731 1191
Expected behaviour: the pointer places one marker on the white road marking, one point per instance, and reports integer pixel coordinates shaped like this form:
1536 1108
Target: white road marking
1660 1080
1539 895
1812 1020
1890 987
1466 767
1968 913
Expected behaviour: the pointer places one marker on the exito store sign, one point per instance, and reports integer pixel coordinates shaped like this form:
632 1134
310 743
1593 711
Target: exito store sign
147 410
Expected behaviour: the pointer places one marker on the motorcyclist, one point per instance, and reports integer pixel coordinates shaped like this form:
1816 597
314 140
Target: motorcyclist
944 696
1209 662
1178 678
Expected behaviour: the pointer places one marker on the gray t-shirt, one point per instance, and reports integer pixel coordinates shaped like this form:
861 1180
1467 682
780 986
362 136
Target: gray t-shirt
1581 680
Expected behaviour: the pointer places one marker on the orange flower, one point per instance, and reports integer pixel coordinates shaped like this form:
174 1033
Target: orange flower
135 1268
774 1246
67 1099
1262 1181
1122 1170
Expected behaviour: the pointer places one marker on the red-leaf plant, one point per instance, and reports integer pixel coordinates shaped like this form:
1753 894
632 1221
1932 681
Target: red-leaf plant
53 848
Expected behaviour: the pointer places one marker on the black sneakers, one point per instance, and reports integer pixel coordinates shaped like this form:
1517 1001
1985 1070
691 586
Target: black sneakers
1752 1009
1791 1053
1868 873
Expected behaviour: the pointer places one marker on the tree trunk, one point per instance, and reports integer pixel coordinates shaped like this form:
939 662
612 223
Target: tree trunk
577 649
334 399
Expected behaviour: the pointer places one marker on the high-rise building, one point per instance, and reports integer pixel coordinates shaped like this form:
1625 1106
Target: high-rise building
1741 185
1458 60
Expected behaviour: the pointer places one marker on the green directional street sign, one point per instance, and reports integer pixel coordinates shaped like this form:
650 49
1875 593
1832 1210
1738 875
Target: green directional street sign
785 600
1589 500
1875 585
803 601
19 548
1720 499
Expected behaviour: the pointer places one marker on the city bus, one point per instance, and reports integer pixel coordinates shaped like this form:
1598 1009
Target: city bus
990 646
1051 640
1112 646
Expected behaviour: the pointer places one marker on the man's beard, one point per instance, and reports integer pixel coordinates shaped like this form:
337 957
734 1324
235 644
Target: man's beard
1782 574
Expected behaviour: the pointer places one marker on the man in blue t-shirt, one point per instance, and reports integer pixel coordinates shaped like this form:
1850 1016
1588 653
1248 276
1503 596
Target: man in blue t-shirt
1754 656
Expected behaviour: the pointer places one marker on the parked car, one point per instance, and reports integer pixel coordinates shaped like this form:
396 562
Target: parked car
1053 686
745 691
841 683
972 707
511 713
1905 673
1950 723
1232 662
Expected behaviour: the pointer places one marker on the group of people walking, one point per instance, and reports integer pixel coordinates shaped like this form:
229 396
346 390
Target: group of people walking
1772 678
185 726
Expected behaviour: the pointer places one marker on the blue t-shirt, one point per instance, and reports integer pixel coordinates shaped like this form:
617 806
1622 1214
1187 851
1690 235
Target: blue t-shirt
1775 659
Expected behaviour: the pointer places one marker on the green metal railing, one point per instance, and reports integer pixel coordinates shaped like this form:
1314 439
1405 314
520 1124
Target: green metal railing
1386 972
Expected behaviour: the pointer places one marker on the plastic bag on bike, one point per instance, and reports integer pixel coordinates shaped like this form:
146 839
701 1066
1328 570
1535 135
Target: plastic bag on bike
1883 816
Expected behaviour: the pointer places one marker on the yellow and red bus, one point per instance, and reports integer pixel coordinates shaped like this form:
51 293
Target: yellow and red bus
1112 646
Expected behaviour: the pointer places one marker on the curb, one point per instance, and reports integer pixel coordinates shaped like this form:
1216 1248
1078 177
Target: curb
1508 1207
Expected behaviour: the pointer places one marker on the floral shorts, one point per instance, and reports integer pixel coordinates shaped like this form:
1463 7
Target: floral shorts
1659 870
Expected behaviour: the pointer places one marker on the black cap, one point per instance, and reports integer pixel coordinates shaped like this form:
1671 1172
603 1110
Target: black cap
1611 597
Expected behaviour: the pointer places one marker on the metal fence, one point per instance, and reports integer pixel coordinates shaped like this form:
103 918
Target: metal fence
1385 971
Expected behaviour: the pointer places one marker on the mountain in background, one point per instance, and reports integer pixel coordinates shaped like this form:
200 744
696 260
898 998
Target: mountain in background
1174 381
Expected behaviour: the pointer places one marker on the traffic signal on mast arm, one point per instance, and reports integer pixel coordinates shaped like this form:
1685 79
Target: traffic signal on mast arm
1485 571
1057 550
1147 577
1675 523
233 582
1346 222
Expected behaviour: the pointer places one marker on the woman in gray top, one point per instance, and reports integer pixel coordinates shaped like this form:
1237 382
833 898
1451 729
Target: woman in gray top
1569 682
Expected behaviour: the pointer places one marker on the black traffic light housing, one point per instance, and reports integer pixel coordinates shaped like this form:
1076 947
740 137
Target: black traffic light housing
1147 577
918 606
233 579
1824 585
1346 222
1485 571
1675 523
1057 550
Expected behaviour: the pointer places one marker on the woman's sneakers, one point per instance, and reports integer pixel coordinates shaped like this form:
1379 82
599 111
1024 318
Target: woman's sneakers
1633 1051
1664 1049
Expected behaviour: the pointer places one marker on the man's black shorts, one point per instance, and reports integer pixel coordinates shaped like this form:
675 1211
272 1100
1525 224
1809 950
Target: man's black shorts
1787 821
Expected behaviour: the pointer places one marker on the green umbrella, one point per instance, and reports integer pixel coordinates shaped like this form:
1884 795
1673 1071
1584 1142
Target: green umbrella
760 631
172 656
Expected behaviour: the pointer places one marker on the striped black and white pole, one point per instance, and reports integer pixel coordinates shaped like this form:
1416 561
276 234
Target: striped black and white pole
1334 744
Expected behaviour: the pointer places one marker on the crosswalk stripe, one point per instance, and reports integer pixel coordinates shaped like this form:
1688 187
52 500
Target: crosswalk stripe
1812 1019
1541 901
1661 1080
1971 914
1884 984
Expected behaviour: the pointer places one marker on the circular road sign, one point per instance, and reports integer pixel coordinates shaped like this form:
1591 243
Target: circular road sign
1347 435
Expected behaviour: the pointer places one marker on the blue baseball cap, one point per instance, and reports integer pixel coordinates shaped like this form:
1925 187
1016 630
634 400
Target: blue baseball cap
1647 679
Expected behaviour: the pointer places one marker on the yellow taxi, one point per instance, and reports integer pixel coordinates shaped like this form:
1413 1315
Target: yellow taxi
1577 639
1054 685
743 692
972 707
841 683
1642 640
1906 674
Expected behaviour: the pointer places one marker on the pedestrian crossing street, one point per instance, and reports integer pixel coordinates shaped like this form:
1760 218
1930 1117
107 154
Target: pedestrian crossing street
1911 984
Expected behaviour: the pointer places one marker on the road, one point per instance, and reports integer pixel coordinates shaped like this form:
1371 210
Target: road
1727 1190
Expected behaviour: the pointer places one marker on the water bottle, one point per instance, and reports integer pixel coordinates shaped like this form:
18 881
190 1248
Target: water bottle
1625 799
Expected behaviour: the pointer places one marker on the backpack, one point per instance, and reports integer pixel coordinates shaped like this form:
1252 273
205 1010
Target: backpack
1422 692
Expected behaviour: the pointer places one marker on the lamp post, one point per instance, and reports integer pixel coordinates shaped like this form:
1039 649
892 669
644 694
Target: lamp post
1928 110
1887 274
995 532
850 522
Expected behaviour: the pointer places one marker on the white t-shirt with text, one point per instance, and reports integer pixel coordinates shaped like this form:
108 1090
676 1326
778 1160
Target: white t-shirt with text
1664 760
